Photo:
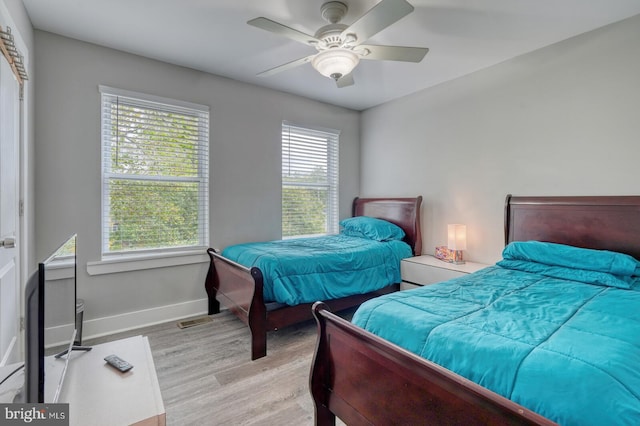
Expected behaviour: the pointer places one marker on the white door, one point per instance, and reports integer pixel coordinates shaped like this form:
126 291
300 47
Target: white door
9 215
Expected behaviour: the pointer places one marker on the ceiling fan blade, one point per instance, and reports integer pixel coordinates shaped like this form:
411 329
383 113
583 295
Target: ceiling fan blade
345 81
286 66
393 53
378 18
283 30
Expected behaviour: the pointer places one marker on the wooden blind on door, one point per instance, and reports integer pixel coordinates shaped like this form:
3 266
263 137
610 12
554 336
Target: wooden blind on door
14 57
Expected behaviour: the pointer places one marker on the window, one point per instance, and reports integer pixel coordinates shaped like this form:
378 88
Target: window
155 189
309 181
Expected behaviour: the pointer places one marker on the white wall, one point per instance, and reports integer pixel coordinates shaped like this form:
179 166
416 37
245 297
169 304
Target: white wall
245 168
563 120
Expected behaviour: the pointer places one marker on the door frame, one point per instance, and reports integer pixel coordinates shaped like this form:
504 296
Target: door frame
25 174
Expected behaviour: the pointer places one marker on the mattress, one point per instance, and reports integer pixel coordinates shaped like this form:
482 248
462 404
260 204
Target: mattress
568 350
305 270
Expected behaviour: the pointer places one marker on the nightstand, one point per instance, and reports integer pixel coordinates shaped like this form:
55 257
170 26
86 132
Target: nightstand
426 269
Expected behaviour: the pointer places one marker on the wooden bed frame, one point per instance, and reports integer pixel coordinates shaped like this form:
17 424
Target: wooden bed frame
240 289
364 379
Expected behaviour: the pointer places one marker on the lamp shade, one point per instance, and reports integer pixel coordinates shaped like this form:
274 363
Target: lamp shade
457 237
335 63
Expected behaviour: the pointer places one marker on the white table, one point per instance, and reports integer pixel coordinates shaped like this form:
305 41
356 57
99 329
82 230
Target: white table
427 269
98 394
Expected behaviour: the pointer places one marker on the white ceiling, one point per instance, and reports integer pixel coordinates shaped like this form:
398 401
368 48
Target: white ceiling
212 35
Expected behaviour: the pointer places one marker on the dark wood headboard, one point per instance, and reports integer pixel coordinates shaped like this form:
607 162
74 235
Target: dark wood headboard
598 222
404 212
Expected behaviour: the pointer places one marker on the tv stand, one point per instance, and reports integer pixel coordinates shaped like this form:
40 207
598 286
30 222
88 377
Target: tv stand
98 394
73 348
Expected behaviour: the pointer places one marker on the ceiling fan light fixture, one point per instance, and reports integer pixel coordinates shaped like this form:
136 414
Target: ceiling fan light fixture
335 63
340 47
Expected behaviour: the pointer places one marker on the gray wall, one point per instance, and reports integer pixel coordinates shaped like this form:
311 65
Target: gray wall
245 165
563 120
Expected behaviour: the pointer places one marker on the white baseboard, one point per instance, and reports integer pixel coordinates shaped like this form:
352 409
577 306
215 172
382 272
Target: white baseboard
105 326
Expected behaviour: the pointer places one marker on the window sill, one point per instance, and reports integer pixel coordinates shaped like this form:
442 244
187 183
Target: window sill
60 270
133 262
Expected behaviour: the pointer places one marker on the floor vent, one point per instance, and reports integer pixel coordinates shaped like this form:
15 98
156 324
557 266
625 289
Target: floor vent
194 322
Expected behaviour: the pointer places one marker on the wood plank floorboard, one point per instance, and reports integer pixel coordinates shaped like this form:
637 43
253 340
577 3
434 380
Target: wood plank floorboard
207 378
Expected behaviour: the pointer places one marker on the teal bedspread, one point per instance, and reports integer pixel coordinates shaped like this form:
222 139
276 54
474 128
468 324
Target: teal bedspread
304 270
567 349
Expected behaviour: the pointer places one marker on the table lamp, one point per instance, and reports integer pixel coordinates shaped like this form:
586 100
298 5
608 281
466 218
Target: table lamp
457 242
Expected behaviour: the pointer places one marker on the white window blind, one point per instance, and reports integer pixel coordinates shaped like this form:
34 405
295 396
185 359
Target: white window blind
155 173
309 181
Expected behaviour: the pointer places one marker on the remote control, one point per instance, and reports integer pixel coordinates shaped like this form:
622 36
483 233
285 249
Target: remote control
118 363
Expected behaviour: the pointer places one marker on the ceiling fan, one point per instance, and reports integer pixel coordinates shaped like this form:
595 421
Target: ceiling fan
340 47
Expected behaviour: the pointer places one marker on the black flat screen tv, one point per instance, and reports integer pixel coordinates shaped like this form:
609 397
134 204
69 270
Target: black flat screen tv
36 328
34 339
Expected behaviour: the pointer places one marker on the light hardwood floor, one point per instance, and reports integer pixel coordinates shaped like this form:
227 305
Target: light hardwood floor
207 378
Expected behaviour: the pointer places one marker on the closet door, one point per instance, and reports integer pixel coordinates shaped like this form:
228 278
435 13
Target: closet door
9 218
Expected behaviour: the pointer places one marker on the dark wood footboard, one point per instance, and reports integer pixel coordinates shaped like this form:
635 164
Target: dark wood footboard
240 289
366 380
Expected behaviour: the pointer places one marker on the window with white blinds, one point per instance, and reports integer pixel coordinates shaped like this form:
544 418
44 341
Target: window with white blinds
155 173
309 181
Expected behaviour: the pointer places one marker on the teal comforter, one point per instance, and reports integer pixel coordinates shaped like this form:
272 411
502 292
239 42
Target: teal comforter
565 348
304 270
